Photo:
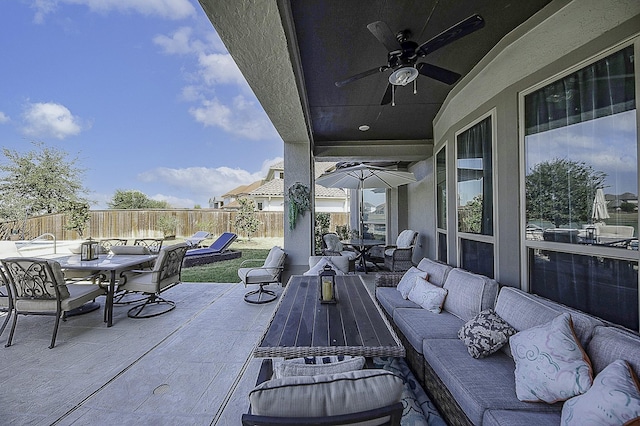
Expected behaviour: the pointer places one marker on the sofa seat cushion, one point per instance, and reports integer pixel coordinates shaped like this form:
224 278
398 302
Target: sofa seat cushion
469 293
390 299
420 324
519 418
478 384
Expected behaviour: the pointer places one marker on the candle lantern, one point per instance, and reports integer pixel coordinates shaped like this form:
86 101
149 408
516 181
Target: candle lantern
327 285
89 250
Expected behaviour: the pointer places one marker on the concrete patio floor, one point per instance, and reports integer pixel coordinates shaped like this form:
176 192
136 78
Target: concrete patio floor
192 366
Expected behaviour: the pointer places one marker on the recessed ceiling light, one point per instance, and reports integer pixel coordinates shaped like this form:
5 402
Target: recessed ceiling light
363 128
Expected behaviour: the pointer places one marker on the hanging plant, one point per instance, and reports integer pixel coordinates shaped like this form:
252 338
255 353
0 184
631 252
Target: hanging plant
299 202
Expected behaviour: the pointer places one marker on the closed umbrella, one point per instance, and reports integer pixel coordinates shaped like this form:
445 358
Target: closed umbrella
599 210
361 176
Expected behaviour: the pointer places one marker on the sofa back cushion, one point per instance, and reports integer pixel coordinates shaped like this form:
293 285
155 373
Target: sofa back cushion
523 310
469 293
611 343
437 271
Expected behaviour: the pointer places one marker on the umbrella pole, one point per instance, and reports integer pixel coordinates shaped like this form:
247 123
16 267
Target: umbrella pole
361 212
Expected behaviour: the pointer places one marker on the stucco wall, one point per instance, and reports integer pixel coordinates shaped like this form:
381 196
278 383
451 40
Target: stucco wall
559 37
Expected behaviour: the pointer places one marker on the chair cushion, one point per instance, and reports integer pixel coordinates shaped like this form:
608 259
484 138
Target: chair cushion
319 267
256 276
418 325
390 299
333 243
613 399
551 365
428 296
275 258
314 366
485 333
341 262
405 239
129 250
326 394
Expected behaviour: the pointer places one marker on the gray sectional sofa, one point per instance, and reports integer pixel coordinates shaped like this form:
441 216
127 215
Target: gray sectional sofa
482 391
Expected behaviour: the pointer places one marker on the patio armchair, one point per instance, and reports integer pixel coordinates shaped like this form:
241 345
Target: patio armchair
6 303
332 246
38 287
267 273
153 244
335 393
398 257
195 240
152 282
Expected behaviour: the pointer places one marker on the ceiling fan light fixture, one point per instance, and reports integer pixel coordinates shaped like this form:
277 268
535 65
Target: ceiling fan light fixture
364 128
403 76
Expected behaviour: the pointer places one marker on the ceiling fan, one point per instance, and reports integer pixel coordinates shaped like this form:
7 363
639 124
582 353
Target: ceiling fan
404 53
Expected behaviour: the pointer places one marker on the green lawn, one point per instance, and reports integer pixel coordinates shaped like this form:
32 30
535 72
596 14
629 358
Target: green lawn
225 271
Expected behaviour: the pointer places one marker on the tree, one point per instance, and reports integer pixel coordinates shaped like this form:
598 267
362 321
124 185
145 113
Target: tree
78 216
168 225
41 181
134 199
562 191
246 220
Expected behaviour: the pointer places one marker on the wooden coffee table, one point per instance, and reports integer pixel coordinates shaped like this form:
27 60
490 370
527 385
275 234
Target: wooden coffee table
302 326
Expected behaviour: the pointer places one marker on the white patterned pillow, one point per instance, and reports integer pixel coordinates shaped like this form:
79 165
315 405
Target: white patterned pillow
317 365
427 295
408 281
485 333
614 399
551 365
318 267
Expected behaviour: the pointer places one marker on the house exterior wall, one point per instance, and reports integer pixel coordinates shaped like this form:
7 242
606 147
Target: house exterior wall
557 38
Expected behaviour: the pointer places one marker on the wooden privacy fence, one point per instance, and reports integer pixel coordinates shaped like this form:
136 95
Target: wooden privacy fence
145 223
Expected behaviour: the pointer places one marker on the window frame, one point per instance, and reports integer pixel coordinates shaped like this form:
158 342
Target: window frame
490 239
440 230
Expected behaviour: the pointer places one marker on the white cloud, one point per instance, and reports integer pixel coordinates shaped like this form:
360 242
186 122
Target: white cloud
179 42
50 119
243 118
176 202
4 118
170 9
219 68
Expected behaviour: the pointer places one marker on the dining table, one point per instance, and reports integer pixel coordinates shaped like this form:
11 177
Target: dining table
109 263
362 246
303 326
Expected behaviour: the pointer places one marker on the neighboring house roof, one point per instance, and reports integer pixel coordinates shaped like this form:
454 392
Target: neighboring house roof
275 188
243 189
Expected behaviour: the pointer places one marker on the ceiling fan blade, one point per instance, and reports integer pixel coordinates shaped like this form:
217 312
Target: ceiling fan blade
459 30
384 35
437 73
361 75
386 99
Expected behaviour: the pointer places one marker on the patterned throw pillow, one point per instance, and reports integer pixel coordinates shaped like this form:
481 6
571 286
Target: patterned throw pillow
551 365
427 295
407 281
485 333
614 399
312 366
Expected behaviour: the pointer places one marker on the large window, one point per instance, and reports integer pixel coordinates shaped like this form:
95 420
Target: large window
475 179
581 188
375 213
474 163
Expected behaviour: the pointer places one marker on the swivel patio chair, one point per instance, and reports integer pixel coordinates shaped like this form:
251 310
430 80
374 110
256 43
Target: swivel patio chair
398 257
38 287
267 273
6 302
153 244
164 275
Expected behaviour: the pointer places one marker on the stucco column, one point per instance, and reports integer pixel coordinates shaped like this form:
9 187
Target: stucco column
298 242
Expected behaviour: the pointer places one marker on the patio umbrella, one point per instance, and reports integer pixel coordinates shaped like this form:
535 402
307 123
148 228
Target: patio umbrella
362 176
599 210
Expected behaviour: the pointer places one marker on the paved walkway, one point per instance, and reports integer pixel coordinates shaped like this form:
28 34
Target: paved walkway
192 366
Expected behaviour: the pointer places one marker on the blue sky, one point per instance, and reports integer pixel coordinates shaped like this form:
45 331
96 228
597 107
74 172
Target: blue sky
143 92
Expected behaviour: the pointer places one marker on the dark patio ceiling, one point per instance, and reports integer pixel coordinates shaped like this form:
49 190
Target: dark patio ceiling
334 43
